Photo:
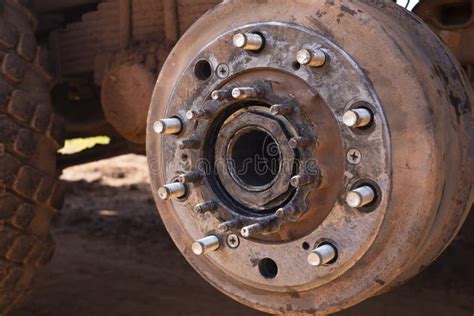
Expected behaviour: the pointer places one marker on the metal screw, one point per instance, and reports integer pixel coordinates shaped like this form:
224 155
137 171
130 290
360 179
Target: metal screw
233 241
360 197
222 71
248 41
197 115
315 58
302 180
210 206
206 245
189 144
172 191
300 142
219 95
244 93
322 255
168 126
190 177
357 118
354 156
282 109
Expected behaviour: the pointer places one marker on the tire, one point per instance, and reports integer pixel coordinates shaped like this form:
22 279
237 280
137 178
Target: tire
30 135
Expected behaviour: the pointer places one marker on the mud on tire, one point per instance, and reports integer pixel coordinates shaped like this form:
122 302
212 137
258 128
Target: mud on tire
30 135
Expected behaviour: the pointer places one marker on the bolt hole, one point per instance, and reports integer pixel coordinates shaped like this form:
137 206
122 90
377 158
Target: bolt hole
184 157
268 268
203 70
296 66
305 246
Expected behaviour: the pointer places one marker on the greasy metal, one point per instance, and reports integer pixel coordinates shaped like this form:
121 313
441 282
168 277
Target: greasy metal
420 202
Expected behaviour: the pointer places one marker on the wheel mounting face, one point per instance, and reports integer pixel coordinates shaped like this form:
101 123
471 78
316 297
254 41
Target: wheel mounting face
319 101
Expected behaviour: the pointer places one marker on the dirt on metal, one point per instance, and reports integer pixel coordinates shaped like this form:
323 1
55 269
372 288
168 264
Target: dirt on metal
112 246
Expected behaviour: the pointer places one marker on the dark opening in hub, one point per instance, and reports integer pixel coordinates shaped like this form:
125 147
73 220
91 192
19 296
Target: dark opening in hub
255 158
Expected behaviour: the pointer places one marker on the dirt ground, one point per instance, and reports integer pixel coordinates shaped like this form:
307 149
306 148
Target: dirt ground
114 257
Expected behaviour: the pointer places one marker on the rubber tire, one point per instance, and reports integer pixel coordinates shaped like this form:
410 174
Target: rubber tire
30 135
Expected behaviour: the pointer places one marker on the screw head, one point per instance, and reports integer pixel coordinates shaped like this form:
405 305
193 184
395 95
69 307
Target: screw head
233 241
354 156
222 71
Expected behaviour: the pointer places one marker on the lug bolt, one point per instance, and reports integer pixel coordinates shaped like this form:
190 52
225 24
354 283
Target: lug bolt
210 206
299 142
189 144
190 177
357 118
172 191
206 245
282 109
322 255
220 95
197 115
244 93
233 241
360 197
302 180
168 126
248 41
315 58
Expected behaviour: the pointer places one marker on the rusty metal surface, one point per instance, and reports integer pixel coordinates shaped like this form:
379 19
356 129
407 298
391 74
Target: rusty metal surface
419 152
453 21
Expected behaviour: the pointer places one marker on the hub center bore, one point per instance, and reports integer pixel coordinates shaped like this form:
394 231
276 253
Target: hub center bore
255 158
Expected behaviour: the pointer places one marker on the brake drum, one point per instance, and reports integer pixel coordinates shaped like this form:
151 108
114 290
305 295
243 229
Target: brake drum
308 155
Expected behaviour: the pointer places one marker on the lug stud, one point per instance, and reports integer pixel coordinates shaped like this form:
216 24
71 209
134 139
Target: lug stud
288 211
252 230
360 197
190 178
168 126
210 206
248 41
322 255
302 180
189 144
172 191
282 109
226 226
244 93
197 115
220 95
300 142
270 226
357 118
206 245
315 58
